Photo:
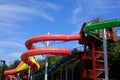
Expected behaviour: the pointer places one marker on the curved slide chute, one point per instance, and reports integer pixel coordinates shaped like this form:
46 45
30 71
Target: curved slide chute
33 51
20 68
60 63
101 25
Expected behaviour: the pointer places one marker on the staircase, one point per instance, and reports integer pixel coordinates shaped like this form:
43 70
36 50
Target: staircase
95 63
92 64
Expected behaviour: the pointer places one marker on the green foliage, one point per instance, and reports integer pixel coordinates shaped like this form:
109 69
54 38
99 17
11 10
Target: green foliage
14 65
74 50
11 66
52 60
42 64
114 49
2 67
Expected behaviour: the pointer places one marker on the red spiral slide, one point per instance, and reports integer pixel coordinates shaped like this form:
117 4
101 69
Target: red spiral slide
28 56
33 51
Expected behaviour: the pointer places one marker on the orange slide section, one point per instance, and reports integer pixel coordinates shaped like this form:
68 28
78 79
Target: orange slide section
33 51
20 68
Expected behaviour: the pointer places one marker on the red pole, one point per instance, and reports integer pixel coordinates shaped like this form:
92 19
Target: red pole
93 57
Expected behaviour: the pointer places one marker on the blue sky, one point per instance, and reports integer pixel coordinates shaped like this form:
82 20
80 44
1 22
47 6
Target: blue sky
23 19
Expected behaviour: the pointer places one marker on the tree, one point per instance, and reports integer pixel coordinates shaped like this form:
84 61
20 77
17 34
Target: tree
114 60
114 49
14 65
52 60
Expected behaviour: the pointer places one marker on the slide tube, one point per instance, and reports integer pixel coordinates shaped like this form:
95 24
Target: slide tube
20 68
101 25
33 51
58 64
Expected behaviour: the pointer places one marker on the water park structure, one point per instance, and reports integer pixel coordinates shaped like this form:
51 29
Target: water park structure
90 36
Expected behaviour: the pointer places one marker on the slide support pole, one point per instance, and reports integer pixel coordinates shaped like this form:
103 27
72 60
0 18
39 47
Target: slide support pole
105 54
46 64
29 73
66 72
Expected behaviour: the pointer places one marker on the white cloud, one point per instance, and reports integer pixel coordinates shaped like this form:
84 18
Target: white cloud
10 43
77 15
21 11
1 51
10 57
15 55
14 12
18 12
39 44
86 10
52 6
77 10
6 25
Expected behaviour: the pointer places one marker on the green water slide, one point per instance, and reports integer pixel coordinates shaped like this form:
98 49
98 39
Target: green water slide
92 28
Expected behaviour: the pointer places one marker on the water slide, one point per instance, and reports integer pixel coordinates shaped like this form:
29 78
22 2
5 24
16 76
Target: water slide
9 74
90 28
94 27
60 63
33 51
28 57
